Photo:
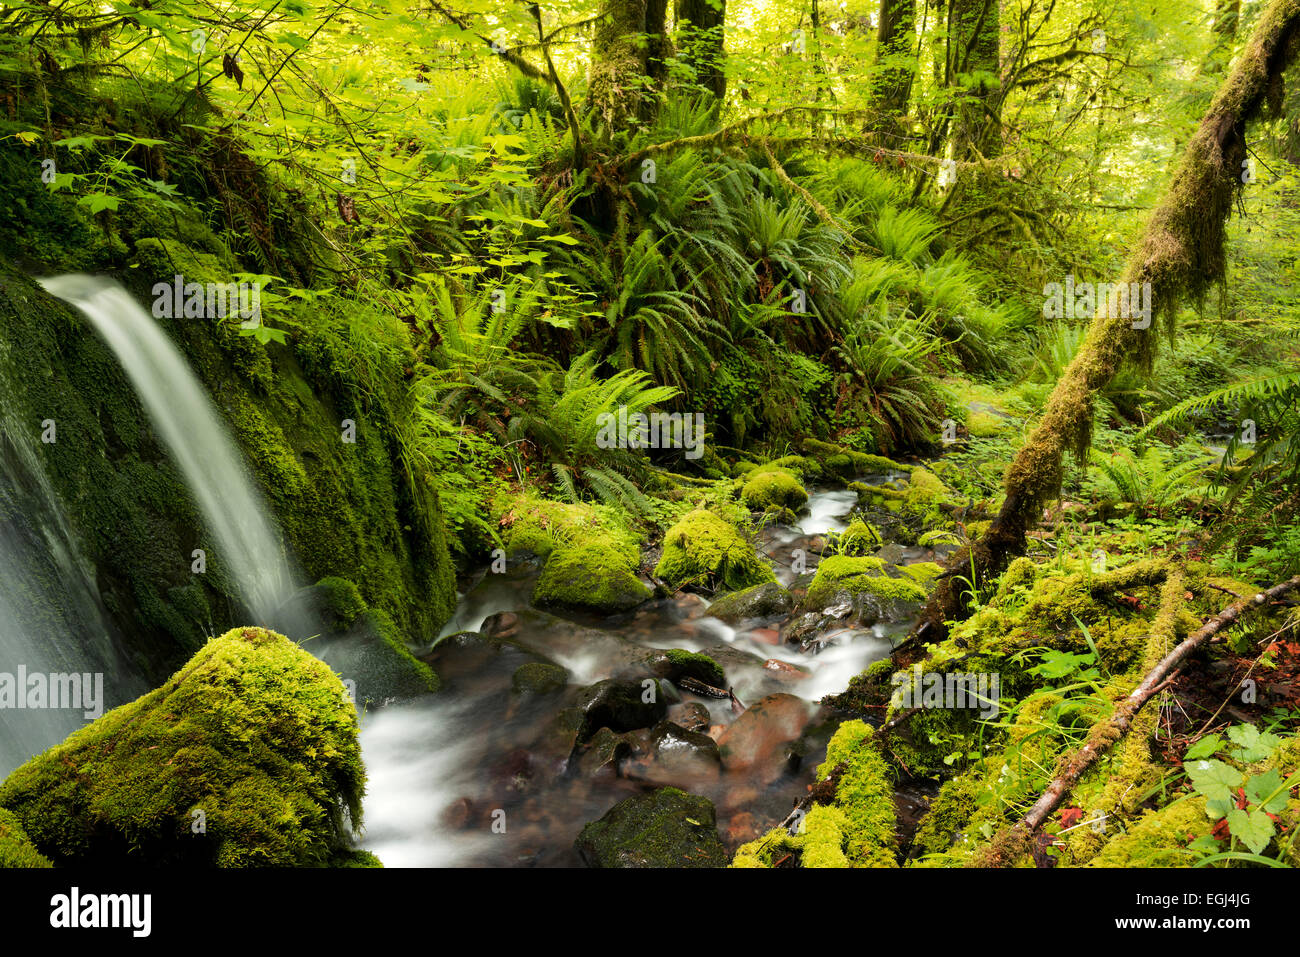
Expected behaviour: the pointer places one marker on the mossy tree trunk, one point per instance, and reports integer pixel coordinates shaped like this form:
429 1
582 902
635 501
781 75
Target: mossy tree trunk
1181 254
628 47
895 61
974 30
700 28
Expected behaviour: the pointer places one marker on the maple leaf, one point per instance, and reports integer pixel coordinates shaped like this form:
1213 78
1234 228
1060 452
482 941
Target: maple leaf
1071 816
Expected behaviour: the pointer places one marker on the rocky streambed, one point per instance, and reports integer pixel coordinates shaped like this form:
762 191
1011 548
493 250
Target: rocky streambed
665 735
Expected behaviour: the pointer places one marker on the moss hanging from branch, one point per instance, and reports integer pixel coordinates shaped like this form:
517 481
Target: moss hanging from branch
1181 255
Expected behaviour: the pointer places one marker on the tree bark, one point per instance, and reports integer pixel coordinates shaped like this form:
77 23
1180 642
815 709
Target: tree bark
1180 255
976 31
618 92
700 27
891 90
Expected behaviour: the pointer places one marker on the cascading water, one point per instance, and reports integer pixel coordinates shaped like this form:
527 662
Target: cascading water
51 619
208 457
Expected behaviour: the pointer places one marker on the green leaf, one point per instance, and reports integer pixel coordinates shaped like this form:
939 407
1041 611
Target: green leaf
1252 827
1208 746
1266 791
98 202
1214 779
1253 745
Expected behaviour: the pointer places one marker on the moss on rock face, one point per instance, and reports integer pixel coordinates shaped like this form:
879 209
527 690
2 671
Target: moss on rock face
690 664
845 573
665 828
253 738
858 829
775 490
706 550
16 848
538 678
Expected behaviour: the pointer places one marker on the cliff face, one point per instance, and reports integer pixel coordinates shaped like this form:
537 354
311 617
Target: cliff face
318 416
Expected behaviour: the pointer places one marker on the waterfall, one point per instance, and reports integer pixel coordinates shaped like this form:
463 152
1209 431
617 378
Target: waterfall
211 462
51 619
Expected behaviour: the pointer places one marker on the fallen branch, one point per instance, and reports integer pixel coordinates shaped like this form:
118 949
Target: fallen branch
1010 844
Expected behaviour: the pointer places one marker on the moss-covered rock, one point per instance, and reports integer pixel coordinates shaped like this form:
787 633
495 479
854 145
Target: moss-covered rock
776 490
664 828
858 539
247 756
691 664
705 550
843 573
757 601
16 848
600 576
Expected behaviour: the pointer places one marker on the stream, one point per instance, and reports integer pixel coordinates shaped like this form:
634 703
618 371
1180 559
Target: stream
481 775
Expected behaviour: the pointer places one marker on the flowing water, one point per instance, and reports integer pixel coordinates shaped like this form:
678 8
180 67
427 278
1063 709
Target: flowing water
478 775
233 511
483 776
52 621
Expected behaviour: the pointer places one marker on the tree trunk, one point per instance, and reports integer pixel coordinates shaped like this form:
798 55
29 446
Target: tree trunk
618 92
700 31
1180 256
976 30
895 62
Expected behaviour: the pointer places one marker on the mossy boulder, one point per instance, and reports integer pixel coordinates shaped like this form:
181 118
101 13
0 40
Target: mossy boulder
247 757
16 848
775 490
840 574
664 828
757 601
845 463
339 602
600 576
705 550
691 664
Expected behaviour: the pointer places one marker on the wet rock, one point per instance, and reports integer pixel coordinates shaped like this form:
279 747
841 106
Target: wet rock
785 671
539 678
677 663
676 754
690 715
603 755
892 552
759 740
456 816
620 705
664 828
743 828
760 601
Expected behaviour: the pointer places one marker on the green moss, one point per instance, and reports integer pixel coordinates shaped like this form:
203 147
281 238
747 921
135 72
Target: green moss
838 573
694 665
705 550
776 489
984 425
253 732
858 539
847 463
949 813
537 525
341 602
923 573
938 536
539 678
1156 839
857 830
597 575
16 849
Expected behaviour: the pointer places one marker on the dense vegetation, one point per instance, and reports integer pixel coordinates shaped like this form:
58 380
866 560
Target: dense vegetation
828 233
